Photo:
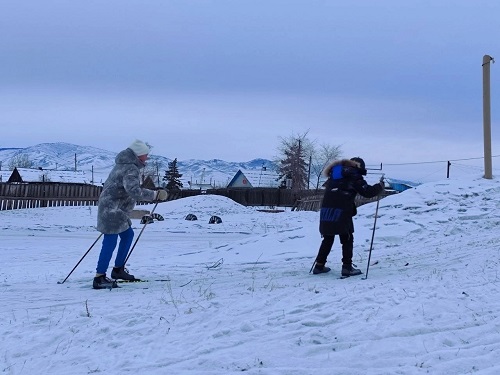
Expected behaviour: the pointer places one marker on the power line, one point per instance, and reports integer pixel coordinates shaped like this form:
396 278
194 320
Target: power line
437 161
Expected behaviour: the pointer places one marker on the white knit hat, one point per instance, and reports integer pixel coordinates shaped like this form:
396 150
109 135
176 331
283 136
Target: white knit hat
139 148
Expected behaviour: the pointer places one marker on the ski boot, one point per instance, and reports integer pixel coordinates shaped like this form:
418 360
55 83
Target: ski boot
121 273
102 282
349 270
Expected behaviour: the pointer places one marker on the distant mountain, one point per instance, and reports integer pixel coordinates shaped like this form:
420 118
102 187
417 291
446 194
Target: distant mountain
66 156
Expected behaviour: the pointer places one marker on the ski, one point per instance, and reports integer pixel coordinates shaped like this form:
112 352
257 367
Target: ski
347 277
139 281
114 286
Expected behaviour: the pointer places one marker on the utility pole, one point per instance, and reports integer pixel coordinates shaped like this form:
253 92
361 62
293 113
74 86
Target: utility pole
298 170
487 117
75 162
158 174
309 171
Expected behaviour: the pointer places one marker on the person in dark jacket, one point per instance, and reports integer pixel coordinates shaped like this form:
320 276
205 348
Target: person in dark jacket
345 180
119 195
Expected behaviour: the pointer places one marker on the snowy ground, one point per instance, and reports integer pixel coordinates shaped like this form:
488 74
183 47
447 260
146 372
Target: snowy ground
240 298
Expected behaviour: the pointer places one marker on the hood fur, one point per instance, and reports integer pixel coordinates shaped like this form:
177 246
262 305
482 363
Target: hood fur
344 162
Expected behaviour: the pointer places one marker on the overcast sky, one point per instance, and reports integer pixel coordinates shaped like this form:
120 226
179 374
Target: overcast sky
390 80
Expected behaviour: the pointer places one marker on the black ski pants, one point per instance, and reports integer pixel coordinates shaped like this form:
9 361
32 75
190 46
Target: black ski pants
347 241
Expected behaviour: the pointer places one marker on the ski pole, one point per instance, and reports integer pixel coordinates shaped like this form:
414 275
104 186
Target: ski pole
373 233
84 255
312 266
140 233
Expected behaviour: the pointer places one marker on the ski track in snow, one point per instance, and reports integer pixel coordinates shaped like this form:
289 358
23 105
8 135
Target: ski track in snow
240 298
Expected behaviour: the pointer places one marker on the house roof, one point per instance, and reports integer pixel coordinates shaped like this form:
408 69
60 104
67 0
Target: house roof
401 185
49 175
256 178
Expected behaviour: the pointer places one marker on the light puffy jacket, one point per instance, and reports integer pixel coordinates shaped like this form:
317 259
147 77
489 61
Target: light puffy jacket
120 194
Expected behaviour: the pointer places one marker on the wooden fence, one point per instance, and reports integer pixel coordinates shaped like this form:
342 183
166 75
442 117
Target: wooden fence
271 197
33 195
48 194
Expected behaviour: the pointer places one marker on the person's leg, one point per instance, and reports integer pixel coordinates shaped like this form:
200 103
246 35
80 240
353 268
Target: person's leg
347 241
126 238
324 251
108 246
119 271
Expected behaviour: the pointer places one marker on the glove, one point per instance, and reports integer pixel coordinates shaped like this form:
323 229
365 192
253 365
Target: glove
161 195
382 183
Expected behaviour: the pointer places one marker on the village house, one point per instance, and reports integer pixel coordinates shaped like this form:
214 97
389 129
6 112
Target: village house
21 175
258 178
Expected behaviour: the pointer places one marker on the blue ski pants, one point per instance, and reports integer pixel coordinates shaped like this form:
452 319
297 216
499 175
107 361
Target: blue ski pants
108 246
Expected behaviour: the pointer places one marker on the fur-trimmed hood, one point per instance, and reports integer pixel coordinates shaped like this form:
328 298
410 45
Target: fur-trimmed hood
344 162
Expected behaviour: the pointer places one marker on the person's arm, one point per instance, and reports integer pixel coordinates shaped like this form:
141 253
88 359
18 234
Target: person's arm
368 191
133 188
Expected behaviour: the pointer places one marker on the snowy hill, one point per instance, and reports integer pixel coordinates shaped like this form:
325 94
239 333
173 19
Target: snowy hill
65 156
239 297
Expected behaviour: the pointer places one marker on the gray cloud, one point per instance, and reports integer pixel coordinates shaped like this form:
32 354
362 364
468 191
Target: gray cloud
387 68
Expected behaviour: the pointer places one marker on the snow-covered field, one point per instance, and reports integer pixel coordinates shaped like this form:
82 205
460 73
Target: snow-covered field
240 299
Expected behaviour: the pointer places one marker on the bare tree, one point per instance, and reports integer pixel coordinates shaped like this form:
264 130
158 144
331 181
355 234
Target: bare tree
20 161
152 170
323 155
